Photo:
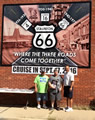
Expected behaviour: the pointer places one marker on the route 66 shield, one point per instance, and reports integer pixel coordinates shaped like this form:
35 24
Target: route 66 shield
44 37
63 24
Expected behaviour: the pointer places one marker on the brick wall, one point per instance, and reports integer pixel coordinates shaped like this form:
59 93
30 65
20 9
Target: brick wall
84 90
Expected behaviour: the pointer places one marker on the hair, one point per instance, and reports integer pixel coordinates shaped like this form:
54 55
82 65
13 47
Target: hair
55 70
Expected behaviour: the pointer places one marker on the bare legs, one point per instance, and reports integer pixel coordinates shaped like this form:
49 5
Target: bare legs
52 104
69 102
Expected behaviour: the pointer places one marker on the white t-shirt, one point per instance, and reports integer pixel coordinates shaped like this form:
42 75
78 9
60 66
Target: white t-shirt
68 78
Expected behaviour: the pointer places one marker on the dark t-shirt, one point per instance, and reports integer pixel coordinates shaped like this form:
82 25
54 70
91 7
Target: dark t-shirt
56 81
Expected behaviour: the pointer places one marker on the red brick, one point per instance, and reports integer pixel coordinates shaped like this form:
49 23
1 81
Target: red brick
84 91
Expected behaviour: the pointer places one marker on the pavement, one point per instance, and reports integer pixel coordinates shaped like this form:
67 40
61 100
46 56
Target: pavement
19 113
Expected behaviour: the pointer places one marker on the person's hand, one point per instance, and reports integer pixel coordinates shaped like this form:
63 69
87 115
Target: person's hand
36 90
70 88
53 87
60 89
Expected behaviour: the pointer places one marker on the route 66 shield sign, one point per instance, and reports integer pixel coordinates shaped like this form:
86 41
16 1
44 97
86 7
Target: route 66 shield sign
44 37
63 24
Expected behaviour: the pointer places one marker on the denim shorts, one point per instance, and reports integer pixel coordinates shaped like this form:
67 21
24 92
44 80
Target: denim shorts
42 96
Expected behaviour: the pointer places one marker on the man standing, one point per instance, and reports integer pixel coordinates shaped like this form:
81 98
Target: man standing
41 88
55 84
68 88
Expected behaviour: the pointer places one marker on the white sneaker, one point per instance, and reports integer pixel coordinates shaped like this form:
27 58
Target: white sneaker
39 106
68 110
64 109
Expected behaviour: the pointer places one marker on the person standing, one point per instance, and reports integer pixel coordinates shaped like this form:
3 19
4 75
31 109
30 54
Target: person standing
41 88
68 88
55 84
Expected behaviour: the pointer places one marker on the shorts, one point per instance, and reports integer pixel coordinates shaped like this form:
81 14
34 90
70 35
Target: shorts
42 96
55 96
67 92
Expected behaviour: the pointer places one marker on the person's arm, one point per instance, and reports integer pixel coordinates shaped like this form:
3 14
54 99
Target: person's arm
60 88
61 79
51 86
49 83
72 82
35 81
36 89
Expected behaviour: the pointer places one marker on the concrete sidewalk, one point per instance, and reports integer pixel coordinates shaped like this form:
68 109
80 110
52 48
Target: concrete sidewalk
19 113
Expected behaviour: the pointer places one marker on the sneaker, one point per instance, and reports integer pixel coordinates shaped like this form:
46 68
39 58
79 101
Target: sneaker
39 106
58 108
68 110
44 106
52 108
65 108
